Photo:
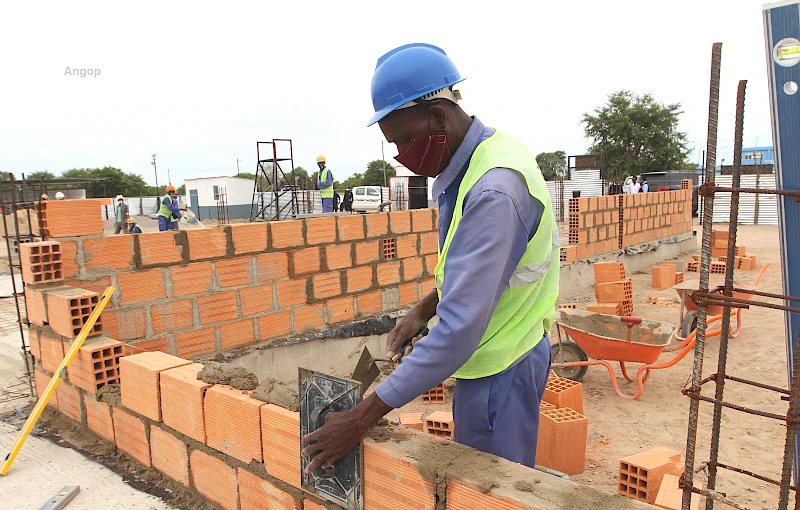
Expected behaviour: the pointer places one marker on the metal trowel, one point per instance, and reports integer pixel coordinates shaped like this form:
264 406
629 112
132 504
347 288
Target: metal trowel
366 370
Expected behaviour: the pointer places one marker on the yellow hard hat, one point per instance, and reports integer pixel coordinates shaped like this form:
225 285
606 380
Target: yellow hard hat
44 196
320 159
131 220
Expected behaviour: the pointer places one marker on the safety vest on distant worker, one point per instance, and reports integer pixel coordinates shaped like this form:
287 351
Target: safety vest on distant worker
526 309
163 210
325 192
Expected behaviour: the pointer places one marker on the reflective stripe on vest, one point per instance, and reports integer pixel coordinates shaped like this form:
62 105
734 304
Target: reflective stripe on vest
325 192
526 309
163 210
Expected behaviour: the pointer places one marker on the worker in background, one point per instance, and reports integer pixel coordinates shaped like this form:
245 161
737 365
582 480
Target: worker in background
325 185
496 279
59 195
44 197
347 201
337 199
634 187
133 227
121 214
169 211
645 187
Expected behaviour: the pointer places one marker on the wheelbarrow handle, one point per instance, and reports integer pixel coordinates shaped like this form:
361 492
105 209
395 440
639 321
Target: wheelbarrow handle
630 321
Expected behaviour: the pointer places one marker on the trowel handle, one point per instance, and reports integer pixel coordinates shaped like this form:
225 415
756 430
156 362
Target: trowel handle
408 343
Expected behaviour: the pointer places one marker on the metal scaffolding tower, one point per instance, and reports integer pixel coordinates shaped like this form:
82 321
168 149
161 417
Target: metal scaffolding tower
275 190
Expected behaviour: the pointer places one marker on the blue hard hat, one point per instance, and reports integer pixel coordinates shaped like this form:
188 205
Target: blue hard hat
408 73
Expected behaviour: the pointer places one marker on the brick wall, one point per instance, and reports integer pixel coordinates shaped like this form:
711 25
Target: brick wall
198 292
604 224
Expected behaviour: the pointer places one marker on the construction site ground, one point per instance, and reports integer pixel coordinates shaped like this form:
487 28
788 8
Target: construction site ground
617 427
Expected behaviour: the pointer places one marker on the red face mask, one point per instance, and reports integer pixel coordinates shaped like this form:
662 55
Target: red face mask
427 156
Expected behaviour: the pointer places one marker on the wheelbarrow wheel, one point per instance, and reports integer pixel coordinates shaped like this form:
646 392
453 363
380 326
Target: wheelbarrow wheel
568 352
689 323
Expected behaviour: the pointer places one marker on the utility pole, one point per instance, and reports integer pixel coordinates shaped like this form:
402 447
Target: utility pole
237 166
169 179
155 169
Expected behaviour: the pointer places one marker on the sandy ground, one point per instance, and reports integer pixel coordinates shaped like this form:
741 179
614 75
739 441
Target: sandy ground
43 467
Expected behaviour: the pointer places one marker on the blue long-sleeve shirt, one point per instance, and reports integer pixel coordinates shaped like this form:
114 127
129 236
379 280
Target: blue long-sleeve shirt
327 183
172 204
499 218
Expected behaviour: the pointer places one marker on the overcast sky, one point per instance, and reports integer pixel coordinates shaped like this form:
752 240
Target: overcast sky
198 84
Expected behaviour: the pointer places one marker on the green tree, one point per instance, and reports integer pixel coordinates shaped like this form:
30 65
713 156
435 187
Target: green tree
115 182
263 184
182 189
374 175
636 134
301 177
40 174
357 179
552 164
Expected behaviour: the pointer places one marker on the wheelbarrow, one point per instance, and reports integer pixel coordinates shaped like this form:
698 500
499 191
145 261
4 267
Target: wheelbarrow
688 312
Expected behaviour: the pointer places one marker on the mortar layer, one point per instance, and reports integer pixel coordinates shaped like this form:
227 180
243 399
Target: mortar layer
278 393
223 373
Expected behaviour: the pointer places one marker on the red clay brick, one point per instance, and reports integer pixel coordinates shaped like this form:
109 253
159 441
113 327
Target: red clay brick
366 253
308 317
388 273
389 478
320 230
69 258
272 266
564 393
427 285
340 309
41 262
306 261
182 400
214 479
140 381
191 279
274 325
159 248
338 256
96 363
171 316
195 342
147 285
233 272
98 285
350 227
156 344
125 323
249 238
359 278
562 441
310 505
233 422
422 220
280 437
206 243
258 494
33 343
237 333
436 218
409 294
428 243
34 306
169 455
327 285
412 269
370 303
287 234
41 380
407 246
52 349
256 299
69 308
109 252
377 224
98 418
69 400
217 307
400 222
131 438
292 292
430 263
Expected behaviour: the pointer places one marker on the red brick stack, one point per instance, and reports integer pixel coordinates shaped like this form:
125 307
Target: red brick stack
434 395
71 218
640 475
563 429
613 291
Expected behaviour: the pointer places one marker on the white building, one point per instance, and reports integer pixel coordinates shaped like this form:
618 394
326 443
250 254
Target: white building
202 196
400 187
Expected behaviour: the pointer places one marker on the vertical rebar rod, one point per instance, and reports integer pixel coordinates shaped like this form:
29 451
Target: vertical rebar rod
791 435
730 264
16 292
705 262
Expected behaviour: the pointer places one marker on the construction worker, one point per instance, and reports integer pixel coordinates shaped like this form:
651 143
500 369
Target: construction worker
121 216
325 185
59 195
496 278
133 227
347 201
169 211
44 197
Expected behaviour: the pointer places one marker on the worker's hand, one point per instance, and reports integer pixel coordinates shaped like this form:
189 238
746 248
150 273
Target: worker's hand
340 434
404 330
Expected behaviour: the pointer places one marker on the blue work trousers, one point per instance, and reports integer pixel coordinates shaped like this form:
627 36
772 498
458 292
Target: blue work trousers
499 414
327 205
164 224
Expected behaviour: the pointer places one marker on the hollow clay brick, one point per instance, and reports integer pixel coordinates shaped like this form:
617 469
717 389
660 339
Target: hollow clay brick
350 228
339 256
258 494
377 224
171 316
69 400
217 307
234 334
369 303
214 479
562 440
109 252
194 278
412 269
274 325
192 343
428 243
563 392
409 294
140 346
140 381
182 400
33 343
52 349
434 395
169 455
340 310
96 364
233 422
640 475
605 272
392 481
256 299
125 323
388 273
308 317
69 258
670 495
605 308
272 266
320 230
306 261
206 243
359 278
400 222
159 248
130 435
440 424
98 418
287 234
68 309
233 272
280 439
368 252
412 420
41 380
292 292
41 262
327 284
249 238
34 306
147 285
422 220
663 277
310 505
